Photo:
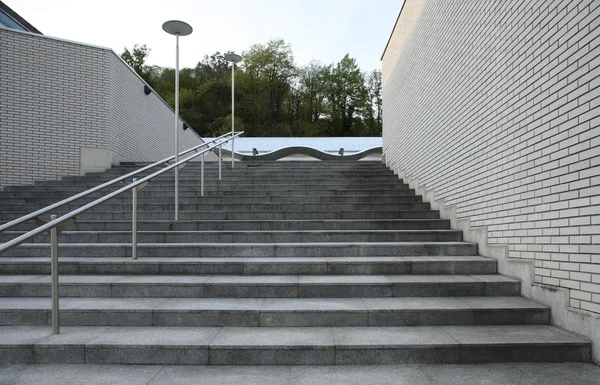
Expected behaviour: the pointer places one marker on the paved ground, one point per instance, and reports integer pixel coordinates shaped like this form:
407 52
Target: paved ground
496 374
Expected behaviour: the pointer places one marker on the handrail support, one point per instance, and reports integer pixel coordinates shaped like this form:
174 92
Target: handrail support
220 161
134 222
202 175
54 277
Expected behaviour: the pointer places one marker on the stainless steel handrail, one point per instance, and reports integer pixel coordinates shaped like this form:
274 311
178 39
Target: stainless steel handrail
53 223
73 198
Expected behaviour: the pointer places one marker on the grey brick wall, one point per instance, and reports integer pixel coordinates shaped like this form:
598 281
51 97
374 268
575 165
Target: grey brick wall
495 107
58 97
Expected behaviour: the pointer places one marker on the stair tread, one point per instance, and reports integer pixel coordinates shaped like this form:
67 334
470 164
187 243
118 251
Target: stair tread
291 337
300 279
176 260
247 244
275 304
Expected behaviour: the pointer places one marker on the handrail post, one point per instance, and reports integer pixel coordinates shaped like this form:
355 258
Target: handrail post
232 152
134 222
202 175
220 145
177 193
54 276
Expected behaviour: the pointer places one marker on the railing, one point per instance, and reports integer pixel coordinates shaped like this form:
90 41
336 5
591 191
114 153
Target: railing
55 221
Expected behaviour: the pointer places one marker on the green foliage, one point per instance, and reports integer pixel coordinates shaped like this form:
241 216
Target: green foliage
273 96
136 58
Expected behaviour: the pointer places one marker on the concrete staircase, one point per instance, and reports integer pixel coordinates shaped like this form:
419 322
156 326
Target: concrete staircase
280 263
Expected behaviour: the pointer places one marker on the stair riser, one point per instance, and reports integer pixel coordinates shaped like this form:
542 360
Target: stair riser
310 355
226 181
219 189
142 199
226 194
242 238
269 216
233 206
213 179
154 290
250 251
433 224
147 267
195 318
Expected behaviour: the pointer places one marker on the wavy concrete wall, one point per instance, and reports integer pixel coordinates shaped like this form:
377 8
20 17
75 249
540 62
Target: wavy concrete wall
492 108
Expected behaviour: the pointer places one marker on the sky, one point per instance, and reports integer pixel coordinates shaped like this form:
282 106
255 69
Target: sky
323 30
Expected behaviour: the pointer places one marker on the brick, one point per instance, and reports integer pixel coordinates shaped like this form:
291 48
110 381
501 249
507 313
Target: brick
531 154
116 116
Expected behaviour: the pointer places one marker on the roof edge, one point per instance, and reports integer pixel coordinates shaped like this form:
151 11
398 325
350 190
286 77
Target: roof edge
393 30
16 17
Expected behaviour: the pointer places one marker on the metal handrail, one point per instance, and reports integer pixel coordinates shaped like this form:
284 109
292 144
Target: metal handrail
73 198
53 223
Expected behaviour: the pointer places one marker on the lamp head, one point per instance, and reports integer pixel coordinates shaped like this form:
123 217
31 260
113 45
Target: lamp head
234 58
177 27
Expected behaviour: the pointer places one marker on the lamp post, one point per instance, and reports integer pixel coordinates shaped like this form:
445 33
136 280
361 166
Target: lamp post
233 58
177 28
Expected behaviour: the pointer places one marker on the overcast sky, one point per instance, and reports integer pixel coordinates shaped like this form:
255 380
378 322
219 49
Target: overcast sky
323 30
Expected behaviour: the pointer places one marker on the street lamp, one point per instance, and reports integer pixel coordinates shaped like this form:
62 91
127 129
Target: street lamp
177 28
233 58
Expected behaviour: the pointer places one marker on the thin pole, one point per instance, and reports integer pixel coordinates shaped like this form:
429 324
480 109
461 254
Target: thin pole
176 127
232 114
54 276
202 176
220 145
134 222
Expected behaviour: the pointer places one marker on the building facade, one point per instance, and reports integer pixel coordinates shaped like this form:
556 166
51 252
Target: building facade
492 110
68 108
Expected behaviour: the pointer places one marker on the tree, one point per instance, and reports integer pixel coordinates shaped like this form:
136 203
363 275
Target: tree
346 95
308 100
273 96
268 71
373 113
136 58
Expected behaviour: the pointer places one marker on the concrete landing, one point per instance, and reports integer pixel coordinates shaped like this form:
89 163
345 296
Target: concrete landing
497 374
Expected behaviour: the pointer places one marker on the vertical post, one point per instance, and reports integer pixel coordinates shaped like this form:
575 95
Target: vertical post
54 276
232 114
176 127
134 222
220 161
202 176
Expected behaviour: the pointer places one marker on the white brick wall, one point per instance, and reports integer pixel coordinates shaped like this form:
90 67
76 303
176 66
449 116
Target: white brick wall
57 97
495 106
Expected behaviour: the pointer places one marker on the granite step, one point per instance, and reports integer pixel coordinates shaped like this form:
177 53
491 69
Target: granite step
243 215
253 286
230 179
374 265
250 225
240 199
235 206
305 249
276 312
245 236
291 345
196 193
225 186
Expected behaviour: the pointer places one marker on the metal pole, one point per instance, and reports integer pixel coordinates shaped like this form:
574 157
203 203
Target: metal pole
220 161
232 114
54 276
202 176
134 222
176 127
